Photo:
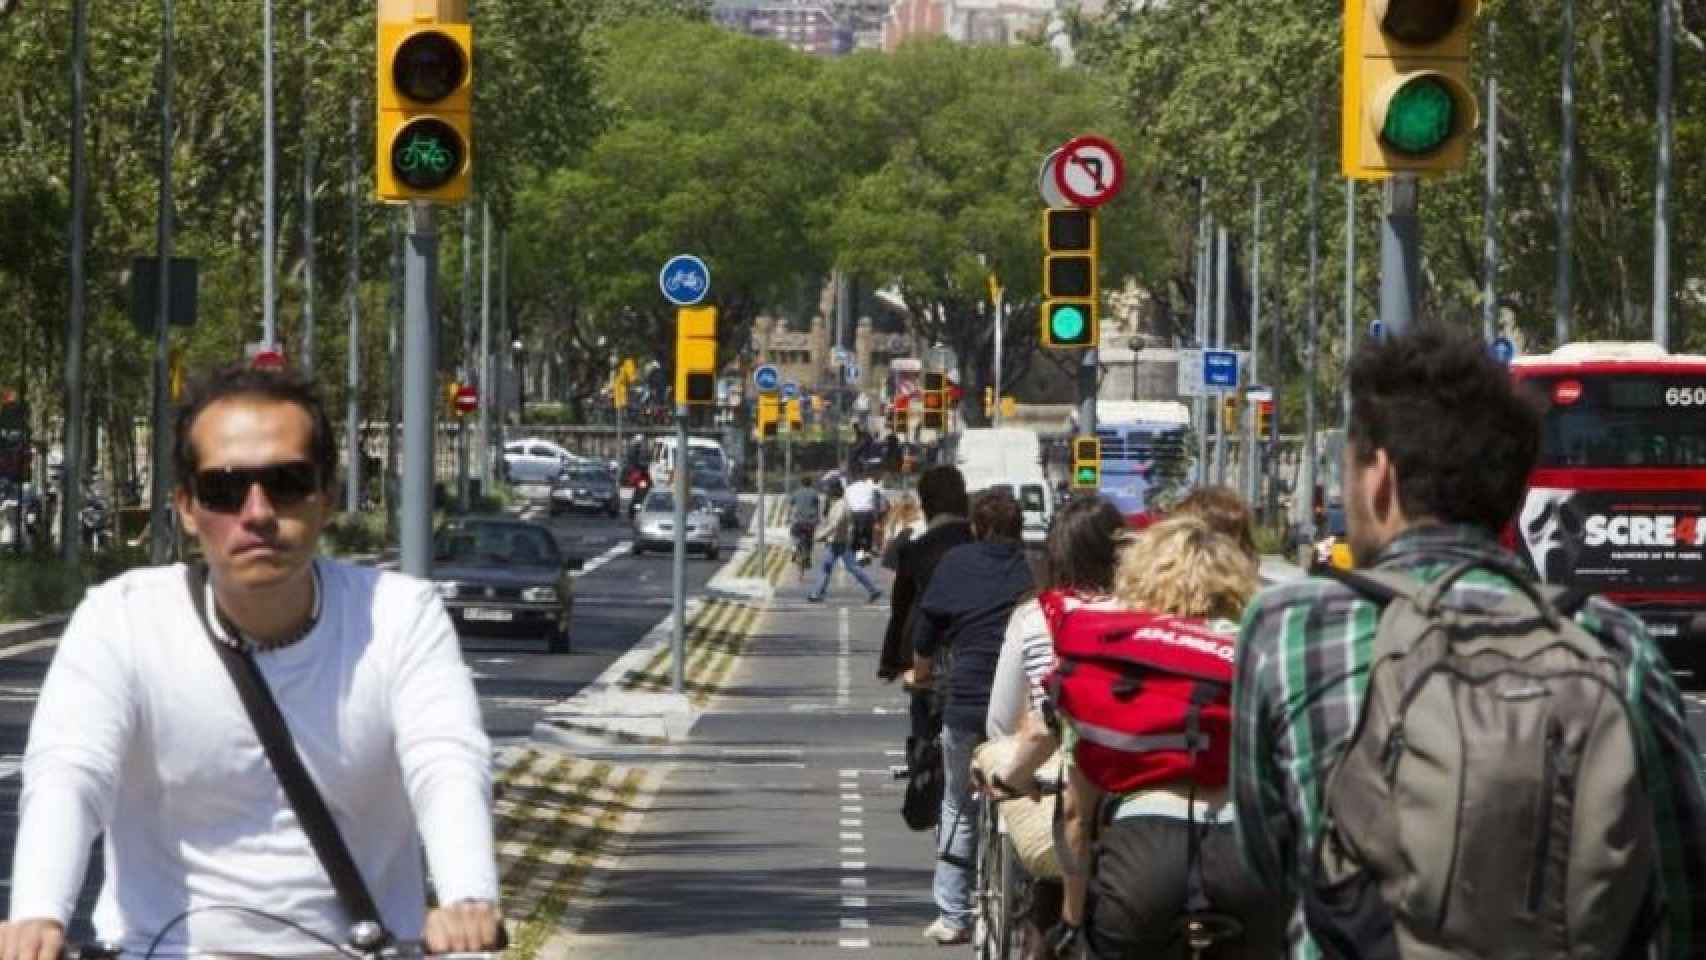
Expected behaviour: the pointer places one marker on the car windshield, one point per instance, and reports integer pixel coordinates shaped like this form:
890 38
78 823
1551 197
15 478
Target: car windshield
589 475
660 503
497 543
710 481
1031 498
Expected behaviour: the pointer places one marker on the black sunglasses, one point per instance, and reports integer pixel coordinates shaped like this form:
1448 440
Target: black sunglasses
223 489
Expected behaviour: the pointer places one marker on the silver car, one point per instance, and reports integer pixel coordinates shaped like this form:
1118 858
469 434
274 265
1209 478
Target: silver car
654 525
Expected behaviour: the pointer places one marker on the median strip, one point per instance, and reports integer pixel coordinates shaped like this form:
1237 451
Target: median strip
714 643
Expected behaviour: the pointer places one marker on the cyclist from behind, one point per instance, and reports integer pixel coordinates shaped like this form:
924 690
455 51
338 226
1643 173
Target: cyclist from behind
140 735
803 512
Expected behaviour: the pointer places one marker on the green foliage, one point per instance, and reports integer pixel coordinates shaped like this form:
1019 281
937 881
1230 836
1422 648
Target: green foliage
355 534
37 584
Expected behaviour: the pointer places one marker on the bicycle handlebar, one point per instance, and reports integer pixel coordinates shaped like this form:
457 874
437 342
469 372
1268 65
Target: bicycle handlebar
399 950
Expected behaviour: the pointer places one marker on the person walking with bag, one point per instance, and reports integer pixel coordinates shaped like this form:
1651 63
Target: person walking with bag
146 729
1441 756
837 532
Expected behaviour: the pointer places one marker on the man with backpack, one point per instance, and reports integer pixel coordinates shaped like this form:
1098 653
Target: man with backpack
1441 757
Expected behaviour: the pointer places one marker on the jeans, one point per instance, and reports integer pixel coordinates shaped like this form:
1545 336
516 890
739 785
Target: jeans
956 835
841 552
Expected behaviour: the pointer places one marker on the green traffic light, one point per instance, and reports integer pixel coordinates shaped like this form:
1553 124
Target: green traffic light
1421 117
427 154
1085 477
1067 323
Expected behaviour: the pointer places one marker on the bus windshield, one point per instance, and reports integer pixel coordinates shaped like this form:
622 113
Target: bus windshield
1623 421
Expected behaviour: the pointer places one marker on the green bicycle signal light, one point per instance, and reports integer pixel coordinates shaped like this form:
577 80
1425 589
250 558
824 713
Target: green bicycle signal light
1086 463
425 96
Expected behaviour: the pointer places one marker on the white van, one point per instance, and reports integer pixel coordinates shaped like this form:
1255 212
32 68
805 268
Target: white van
1009 457
703 455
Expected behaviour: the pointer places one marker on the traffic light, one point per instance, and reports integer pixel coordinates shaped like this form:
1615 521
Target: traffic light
451 389
1070 249
1229 414
424 136
795 422
1086 463
935 402
769 412
696 356
1264 417
1408 103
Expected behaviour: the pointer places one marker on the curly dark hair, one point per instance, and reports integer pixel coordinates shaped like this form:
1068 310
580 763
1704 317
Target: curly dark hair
1460 433
275 385
942 489
996 517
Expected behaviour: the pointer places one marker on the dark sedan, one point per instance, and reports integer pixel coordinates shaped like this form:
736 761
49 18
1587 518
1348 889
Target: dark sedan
586 488
716 489
501 577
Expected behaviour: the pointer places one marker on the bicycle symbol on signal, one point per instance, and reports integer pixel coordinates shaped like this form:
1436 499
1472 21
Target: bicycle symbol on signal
686 281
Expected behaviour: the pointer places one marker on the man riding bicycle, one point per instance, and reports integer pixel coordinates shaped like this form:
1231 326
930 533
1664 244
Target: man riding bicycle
803 511
140 734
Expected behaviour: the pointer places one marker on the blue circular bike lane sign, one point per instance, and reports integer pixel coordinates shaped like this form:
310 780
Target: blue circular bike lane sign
684 280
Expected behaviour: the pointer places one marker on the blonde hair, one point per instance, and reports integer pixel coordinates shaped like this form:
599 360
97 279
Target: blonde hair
905 513
1183 566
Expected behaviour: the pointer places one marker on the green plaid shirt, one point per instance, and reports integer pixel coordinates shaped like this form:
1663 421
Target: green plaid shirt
1302 668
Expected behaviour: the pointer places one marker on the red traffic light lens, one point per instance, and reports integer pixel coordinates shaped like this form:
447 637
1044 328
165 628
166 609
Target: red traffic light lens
1419 22
428 67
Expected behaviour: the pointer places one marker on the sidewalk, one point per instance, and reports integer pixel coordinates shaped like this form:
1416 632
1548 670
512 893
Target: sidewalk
776 829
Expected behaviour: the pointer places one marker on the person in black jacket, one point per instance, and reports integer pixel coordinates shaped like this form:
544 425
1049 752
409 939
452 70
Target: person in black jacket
942 494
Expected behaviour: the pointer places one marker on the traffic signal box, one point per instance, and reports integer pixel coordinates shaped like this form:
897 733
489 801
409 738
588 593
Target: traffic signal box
1408 103
1229 414
1086 463
1070 302
769 413
696 356
424 136
795 421
935 402
1264 417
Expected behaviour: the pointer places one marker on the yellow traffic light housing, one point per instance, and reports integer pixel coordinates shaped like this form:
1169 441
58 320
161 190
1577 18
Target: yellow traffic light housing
696 356
1071 249
795 421
1086 463
1264 417
1408 106
424 135
935 401
769 412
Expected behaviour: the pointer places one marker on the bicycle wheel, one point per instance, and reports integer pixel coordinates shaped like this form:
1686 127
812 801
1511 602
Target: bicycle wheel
989 935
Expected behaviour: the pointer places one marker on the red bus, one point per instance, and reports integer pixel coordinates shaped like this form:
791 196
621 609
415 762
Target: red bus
1616 502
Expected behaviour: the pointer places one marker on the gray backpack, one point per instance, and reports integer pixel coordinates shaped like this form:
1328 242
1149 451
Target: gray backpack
1490 801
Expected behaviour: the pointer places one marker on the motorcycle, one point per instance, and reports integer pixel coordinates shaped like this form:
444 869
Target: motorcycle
642 487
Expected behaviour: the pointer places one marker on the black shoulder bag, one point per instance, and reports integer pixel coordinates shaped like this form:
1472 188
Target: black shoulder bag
367 933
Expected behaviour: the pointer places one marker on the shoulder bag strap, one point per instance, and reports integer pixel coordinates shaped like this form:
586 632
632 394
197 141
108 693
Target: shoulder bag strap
366 929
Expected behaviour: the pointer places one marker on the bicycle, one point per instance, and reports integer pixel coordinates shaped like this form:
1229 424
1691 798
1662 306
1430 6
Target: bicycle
1005 891
368 941
803 547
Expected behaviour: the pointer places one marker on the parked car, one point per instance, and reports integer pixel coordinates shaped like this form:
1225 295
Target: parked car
535 461
654 525
716 488
588 489
506 578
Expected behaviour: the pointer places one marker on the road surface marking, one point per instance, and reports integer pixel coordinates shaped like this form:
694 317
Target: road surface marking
603 558
855 903
855 923
852 851
853 836
861 944
853 822
31 647
857 883
852 864
843 662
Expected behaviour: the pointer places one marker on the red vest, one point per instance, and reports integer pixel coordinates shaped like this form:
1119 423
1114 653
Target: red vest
1149 695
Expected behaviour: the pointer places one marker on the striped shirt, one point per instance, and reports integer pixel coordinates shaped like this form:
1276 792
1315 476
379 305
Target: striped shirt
1302 668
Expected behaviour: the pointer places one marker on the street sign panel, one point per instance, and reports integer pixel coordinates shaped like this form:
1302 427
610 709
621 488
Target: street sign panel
790 390
684 280
267 359
1504 350
1046 186
767 378
467 399
852 372
1090 171
1190 373
1220 369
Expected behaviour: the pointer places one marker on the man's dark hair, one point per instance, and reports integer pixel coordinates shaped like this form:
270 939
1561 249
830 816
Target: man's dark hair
943 490
271 385
805 481
1083 546
1461 435
996 517
1225 512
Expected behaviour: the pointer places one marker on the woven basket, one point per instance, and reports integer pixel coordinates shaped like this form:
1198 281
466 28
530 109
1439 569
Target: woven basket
1030 823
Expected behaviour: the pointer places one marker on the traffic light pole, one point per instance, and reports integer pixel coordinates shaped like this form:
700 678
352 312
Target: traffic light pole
763 518
678 572
1400 254
420 281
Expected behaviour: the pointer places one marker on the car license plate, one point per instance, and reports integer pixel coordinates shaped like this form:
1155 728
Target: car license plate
488 615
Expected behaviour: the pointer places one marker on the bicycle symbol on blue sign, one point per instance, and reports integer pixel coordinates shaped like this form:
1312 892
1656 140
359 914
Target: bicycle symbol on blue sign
684 280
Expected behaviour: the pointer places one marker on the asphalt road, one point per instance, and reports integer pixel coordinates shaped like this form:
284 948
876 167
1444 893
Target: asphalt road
618 598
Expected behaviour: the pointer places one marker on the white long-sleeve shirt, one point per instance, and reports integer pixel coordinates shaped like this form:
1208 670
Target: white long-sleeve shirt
140 732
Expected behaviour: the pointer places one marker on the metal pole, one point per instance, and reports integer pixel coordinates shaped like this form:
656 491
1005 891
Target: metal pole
462 368
1088 371
162 539
1253 485
507 325
1198 404
1350 294
1661 190
269 176
1567 174
1490 216
483 444
787 455
307 190
678 565
995 404
393 342
420 286
352 416
1220 439
1400 254
70 533
1304 499
763 518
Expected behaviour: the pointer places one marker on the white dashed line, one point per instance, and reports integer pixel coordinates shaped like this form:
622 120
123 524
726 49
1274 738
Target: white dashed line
843 663
603 558
852 908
